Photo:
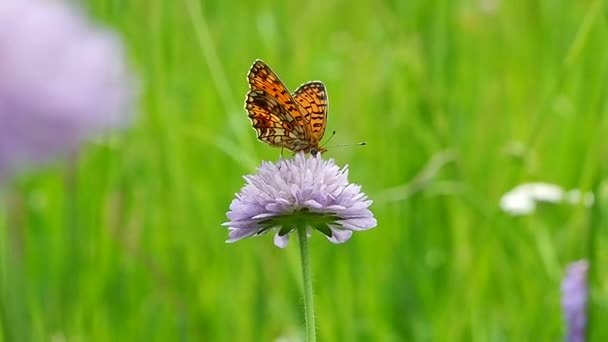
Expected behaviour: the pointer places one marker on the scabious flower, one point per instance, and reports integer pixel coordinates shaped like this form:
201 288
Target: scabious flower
299 191
63 80
574 300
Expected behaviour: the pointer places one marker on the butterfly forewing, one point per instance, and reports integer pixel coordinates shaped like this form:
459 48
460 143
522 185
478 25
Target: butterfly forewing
263 78
272 122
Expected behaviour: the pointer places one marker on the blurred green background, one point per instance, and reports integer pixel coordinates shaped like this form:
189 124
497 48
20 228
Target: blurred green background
459 101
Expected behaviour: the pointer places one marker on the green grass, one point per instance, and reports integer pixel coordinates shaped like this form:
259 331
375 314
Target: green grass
126 244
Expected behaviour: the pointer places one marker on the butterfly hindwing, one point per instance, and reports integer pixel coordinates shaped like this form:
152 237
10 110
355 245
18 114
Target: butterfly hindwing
313 98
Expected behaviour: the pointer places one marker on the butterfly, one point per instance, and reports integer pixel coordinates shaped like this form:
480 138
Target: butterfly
294 121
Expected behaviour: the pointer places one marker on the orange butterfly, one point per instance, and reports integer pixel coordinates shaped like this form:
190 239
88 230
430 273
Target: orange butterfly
294 121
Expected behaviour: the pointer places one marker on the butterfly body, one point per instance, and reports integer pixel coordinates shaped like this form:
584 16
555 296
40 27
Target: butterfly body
294 121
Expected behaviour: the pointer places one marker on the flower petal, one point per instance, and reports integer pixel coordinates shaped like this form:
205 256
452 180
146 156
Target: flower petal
238 234
281 241
339 236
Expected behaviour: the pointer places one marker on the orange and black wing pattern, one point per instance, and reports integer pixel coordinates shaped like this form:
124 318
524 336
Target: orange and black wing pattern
273 123
313 98
280 119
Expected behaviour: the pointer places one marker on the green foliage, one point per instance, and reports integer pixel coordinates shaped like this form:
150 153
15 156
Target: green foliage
126 244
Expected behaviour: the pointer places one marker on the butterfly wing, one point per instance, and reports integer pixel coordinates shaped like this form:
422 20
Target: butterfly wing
313 98
273 123
261 77
277 118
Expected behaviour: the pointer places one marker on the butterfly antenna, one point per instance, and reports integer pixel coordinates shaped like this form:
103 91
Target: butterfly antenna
328 139
348 145
344 145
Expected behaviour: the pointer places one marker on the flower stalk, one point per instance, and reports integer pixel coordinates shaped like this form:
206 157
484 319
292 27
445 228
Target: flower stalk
309 306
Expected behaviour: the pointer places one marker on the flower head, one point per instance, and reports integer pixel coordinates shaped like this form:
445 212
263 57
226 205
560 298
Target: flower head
299 191
63 81
574 300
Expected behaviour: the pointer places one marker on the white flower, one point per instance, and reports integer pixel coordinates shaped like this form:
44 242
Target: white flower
295 191
522 199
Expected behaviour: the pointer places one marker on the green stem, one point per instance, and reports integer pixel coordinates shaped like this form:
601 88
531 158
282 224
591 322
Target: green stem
594 227
309 307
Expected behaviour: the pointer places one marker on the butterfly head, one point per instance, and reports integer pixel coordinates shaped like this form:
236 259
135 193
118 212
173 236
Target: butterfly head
314 150
314 147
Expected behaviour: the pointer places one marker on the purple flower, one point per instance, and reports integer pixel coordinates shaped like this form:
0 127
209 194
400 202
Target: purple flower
574 300
299 191
63 80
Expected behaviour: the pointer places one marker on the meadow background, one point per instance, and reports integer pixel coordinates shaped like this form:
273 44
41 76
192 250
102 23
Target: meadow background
458 101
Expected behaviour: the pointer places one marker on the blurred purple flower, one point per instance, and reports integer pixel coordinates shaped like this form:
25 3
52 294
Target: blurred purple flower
63 80
299 190
574 300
